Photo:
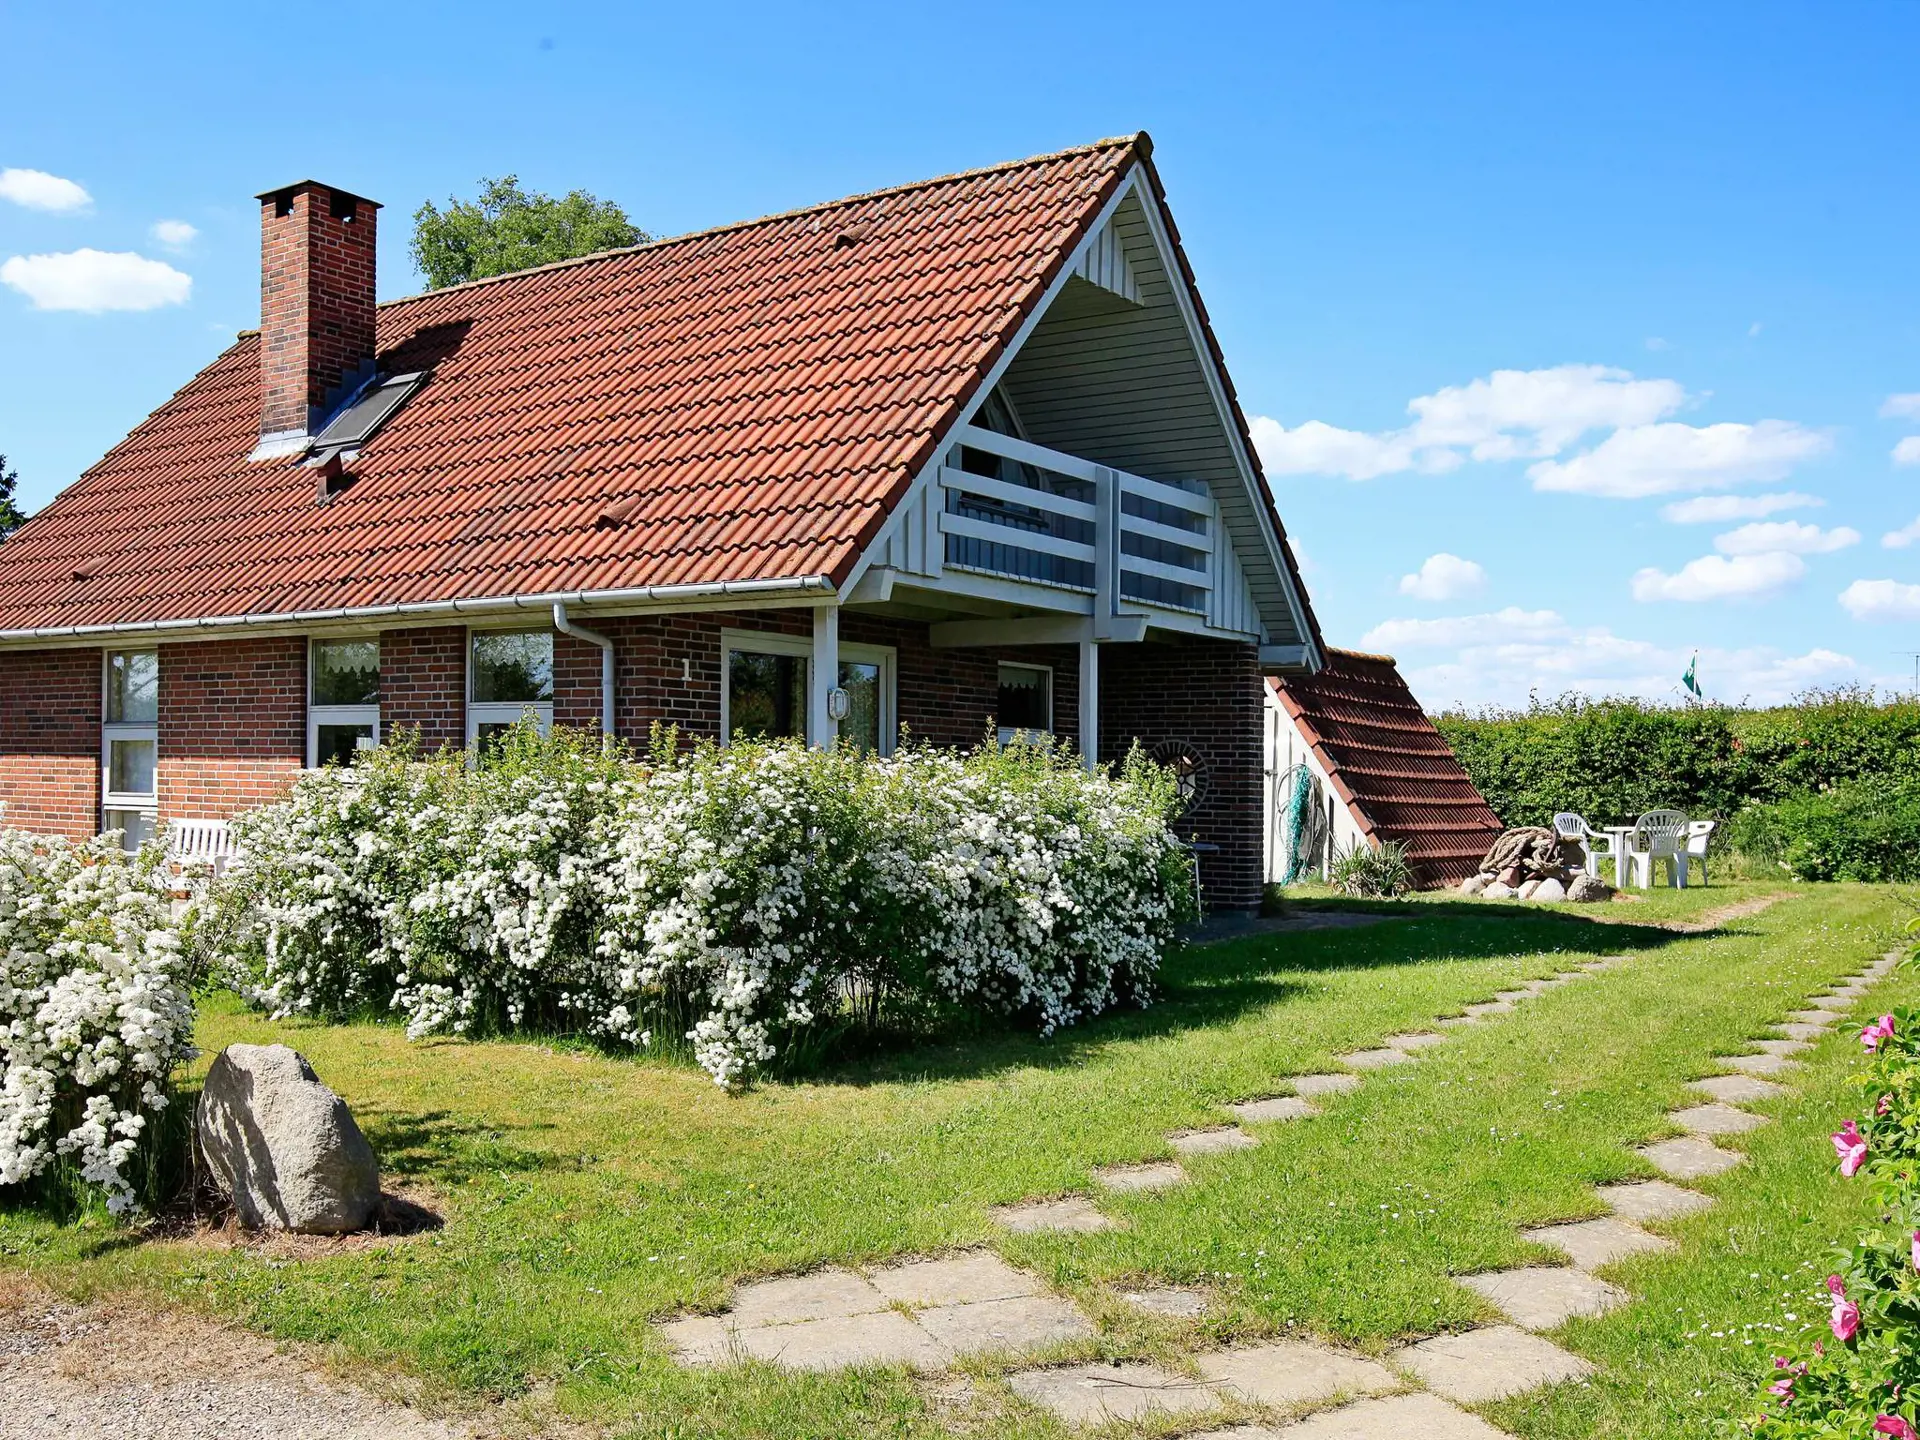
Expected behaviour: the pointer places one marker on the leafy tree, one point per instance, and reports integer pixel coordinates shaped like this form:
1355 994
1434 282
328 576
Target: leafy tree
507 228
12 517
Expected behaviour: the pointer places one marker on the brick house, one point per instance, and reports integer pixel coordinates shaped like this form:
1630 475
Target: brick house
930 461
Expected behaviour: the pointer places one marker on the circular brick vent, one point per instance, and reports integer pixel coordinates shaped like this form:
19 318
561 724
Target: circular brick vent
1189 767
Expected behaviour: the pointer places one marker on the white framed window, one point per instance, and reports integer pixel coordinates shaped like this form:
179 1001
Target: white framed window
764 689
130 744
1025 704
343 699
509 677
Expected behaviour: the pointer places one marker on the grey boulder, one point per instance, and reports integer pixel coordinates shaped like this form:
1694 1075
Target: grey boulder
1549 889
1587 888
1473 884
282 1147
1498 890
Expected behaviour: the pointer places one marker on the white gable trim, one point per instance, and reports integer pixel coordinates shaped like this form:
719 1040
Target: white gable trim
1103 262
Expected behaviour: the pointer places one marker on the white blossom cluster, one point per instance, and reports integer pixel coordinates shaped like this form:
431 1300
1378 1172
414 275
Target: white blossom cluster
727 897
96 1006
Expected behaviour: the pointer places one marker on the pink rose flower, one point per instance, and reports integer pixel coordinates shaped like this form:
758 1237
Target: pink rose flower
1894 1425
1851 1146
1845 1319
1881 1029
1916 1249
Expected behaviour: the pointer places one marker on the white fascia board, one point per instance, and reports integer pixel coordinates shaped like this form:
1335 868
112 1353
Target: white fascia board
1216 387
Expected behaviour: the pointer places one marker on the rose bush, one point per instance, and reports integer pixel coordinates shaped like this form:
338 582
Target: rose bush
96 1010
736 899
1861 1379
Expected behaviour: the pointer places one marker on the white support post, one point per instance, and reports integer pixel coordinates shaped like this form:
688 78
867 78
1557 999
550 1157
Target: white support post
823 676
1090 703
1106 551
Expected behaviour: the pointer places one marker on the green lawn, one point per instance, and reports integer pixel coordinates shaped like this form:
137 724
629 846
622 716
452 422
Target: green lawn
586 1195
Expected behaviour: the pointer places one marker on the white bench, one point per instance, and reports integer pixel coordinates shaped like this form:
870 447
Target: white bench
200 842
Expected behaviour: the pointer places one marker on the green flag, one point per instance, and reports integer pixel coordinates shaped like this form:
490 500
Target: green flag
1689 679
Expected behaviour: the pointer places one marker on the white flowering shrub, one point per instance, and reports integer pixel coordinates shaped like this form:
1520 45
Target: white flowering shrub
96 1009
731 899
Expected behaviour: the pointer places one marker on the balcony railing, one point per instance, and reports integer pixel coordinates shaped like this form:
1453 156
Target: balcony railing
1025 512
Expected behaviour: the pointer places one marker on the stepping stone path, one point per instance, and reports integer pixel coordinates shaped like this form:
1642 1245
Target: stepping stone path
929 1313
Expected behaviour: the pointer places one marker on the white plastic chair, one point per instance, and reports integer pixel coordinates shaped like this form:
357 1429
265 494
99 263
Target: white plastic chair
1658 835
1593 844
200 842
1699 836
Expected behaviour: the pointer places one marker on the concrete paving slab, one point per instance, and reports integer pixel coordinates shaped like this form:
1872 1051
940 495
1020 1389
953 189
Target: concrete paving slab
1097 1394
1021 1324
1689 1159
1179 1301
1450 1021
1414 1040
1539 1297
954 1280
825 1294
1822 1015
1510 997
1396 1418
1801 1030
1155 1175
1489 1364
1737 1089
888 1338
1076 1212
1756 1064
1593 1243
1489 1007
1650 1201
699 1340
1274 1107
1374 1059
1211 1142
1716 1119
1315 1085
1295 1372
1780 1047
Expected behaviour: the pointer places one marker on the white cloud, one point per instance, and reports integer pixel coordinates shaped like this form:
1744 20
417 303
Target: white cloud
1718 577
1641 460
38 190
96 280
1903 537
1907 452
1902 407
1657 342
1718 509
1508 415
1500 626
1766 537
174 234
1443 577
1881 600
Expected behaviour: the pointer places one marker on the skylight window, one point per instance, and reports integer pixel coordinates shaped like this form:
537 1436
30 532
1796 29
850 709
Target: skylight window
355 425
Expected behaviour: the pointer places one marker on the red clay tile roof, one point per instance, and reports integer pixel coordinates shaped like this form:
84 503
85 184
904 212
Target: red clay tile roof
1389 764
761 395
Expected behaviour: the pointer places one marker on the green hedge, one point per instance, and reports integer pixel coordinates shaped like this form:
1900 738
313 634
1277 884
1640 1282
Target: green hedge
1868 831
1612 759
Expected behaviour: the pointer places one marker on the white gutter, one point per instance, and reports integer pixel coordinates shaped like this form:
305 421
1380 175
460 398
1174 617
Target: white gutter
592 637
659 593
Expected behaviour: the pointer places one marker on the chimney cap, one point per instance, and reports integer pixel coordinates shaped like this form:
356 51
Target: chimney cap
299 185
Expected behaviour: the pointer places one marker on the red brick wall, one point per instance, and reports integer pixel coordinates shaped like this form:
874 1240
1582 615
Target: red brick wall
316 302
50 740
233 724
423 685
1207 694
576 679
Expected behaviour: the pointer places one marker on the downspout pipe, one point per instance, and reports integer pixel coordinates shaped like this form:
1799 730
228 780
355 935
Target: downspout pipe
592 637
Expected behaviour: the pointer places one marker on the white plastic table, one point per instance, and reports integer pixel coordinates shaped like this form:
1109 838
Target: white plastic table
1622 867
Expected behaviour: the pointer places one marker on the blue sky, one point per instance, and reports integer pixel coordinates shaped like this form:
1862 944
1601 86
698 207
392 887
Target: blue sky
1503 284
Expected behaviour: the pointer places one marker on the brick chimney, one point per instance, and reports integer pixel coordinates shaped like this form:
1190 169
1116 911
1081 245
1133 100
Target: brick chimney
316 306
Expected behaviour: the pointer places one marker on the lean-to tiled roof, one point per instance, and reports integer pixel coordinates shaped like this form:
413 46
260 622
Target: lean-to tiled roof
1389 765
750 400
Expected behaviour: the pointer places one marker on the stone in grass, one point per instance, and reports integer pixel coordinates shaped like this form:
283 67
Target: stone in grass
1414 1040
1397 1417
1689 1159
1491 1363
1154 1175
1488 1007
1799 1030
1593 1243
1334 1084
1756 1064
1274 1107
1178 1301
1375 1059
1497 891
1538 1297
1716 1119
1651 1201
1295 1372
888 1338
823 1295
1473 884
1098 1394
1074 1213
1549 890
1587 889
955 1280
281 1146
1020 1324
1780 1047
1528 889
1817 1016
1737 1089
1211 1142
